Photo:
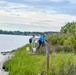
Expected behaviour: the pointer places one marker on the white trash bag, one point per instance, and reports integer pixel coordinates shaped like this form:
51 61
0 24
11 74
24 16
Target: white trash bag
34 49
27 48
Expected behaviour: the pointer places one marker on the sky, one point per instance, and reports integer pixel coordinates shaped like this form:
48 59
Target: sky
36 15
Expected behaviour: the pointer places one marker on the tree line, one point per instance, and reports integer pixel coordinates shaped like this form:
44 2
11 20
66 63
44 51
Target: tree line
25 32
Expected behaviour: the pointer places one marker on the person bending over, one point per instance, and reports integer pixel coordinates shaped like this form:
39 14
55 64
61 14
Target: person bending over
41 41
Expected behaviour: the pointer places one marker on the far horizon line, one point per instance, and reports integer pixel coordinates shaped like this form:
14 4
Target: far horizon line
29 31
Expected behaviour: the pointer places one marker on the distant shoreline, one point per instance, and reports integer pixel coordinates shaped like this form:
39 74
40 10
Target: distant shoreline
27 33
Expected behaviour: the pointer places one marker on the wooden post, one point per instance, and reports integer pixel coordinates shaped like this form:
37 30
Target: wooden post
47 56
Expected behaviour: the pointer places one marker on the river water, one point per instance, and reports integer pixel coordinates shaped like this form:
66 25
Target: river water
11 42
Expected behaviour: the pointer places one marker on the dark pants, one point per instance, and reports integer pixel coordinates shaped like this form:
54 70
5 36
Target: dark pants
40 44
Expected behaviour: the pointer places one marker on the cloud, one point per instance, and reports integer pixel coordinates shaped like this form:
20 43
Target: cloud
45 0
16 16
12 6
36 21
56 0
72 1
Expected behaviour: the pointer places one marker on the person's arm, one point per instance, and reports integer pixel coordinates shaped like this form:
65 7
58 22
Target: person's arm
47 41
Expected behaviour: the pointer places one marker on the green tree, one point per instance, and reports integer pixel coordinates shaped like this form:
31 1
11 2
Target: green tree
70 27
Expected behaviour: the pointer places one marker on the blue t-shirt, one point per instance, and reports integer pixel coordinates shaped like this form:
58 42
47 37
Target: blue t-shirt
41 38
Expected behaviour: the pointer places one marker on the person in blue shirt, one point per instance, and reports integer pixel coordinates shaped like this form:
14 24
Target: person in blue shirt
41 41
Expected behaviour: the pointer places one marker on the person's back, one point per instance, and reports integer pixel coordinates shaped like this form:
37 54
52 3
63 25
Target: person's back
41 38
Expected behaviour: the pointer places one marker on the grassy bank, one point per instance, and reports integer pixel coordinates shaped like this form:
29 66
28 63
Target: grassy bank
24 64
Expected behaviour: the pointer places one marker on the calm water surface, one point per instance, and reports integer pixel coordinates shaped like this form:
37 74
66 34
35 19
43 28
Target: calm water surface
10 42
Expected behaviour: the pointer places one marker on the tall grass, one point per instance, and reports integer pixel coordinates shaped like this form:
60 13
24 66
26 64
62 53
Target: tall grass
62 63
23 63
